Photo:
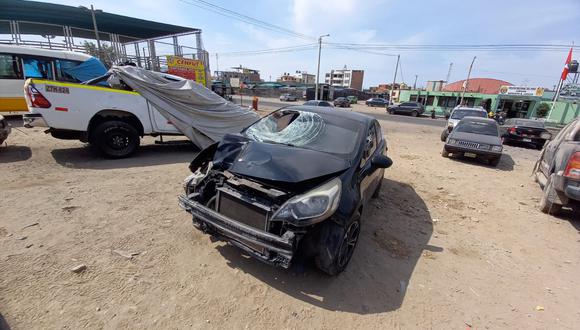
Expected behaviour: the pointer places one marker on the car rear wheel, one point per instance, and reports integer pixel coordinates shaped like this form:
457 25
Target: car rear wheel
337 244
548 203
116 139
414 113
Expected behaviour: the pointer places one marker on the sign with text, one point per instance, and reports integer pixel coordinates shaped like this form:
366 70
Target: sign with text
186 68
235 82
521 91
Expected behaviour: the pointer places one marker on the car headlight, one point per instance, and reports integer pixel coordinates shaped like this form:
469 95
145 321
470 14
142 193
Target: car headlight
497 148
313 206
451 141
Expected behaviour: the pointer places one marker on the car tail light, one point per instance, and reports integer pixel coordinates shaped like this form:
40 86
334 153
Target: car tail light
573 168
37 100
512 130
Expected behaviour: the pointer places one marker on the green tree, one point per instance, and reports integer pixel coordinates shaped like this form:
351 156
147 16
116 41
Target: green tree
107 56
543 110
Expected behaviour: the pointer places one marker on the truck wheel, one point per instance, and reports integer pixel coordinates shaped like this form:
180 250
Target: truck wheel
337 244
548 203
116 139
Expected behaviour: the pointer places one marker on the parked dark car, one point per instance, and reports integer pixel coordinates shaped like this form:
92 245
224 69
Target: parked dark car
315 103
295 182
558 170
407 108
528 131
342 102
476 138
288 97
5 129
377 102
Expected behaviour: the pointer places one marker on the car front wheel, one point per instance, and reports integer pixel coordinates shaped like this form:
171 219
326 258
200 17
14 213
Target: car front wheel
337 244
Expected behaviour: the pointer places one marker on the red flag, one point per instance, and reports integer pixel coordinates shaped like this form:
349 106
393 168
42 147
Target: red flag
567 65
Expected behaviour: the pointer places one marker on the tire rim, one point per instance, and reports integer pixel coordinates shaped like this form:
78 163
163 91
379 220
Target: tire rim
348 244
118 141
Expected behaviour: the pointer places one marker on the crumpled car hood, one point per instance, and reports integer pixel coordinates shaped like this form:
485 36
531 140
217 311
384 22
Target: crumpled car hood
274 162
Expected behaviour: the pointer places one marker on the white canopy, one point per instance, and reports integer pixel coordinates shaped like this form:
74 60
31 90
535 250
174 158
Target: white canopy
202 115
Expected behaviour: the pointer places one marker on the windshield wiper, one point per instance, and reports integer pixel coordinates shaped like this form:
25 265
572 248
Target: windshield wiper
275 142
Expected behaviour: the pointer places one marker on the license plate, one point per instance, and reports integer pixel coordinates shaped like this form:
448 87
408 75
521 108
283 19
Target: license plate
470 155
527 140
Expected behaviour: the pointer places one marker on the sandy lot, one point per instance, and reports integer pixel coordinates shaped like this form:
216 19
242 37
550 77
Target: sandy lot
450 244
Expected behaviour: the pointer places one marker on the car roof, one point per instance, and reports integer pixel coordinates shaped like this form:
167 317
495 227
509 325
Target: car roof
479 119
332 111
470 108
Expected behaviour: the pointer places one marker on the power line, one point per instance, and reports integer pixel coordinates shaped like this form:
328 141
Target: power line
288 49
446 47
244 18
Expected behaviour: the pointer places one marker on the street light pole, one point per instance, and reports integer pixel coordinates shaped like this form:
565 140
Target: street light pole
318 67
394 79
415 83
467 80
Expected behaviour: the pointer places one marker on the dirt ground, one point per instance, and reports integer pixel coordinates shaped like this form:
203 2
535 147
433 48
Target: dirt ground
450 244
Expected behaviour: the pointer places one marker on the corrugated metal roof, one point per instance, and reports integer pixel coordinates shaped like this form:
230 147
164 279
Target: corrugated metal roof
40 12
478 85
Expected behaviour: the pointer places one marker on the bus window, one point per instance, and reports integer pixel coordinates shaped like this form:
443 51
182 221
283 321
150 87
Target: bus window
9 68
60 67
37 68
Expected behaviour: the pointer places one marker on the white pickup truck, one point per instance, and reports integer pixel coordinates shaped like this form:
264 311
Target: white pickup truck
112 120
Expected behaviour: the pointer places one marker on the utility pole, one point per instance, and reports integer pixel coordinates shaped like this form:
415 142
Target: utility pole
95 27
415 83
467 81
449 73
394 79
217 63
318 67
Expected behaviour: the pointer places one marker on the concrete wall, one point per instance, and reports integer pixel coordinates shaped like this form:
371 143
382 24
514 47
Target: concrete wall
564 112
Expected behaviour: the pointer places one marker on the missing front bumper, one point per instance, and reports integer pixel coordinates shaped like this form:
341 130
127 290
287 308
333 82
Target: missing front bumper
278 250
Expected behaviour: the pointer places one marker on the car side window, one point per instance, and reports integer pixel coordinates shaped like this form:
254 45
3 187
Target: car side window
370 144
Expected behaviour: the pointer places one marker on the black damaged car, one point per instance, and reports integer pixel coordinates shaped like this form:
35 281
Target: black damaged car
296 182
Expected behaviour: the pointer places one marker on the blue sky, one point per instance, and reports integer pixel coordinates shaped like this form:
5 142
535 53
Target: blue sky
380 22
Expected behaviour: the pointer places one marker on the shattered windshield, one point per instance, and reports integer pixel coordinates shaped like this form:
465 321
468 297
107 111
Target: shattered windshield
307 130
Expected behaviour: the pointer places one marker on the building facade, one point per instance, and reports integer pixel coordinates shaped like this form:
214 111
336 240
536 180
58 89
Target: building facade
246 75
301 77
345 78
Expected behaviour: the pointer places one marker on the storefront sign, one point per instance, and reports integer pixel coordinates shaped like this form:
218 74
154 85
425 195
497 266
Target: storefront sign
186 68
521 91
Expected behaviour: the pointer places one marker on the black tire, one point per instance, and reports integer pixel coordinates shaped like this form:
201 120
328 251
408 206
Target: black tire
494 161
414 113
548 203
444 135
337 244
115 139
445 153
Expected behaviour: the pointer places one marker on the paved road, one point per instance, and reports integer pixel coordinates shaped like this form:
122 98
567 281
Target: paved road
375 112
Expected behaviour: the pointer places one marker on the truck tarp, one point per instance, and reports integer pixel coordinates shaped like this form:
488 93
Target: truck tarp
203 116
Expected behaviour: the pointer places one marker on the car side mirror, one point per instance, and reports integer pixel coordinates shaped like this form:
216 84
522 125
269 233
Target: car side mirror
381 161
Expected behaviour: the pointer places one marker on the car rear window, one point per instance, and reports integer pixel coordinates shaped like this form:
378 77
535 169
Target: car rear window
477 127
460 113
530 123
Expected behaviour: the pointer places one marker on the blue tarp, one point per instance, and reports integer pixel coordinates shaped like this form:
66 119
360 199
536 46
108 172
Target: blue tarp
87 70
